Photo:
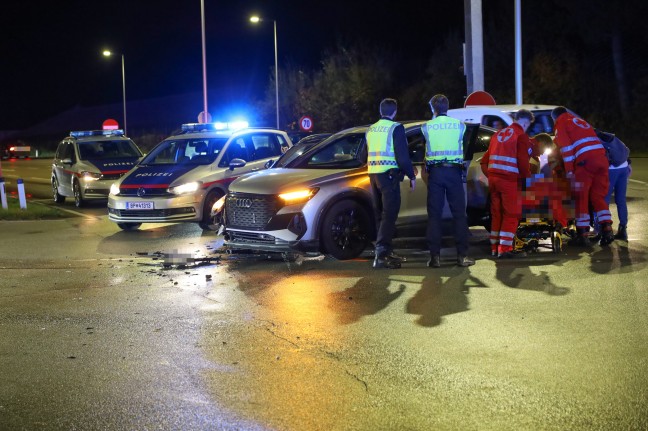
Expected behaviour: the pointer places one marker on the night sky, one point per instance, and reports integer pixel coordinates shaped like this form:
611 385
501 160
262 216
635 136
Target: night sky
52 61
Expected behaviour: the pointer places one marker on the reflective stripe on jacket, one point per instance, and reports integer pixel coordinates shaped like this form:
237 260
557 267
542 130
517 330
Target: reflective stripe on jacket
444 139
576 137
380 146
503 152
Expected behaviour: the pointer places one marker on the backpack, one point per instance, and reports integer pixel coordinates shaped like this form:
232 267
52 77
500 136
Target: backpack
617 152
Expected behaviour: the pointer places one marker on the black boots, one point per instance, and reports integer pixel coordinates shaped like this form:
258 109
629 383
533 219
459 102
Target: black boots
621 234
386 262
435 261
607 236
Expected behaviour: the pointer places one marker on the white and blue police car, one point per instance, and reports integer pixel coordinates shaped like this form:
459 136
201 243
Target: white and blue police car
182 177
87 162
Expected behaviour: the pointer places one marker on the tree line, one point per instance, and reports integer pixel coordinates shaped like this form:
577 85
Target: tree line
580 54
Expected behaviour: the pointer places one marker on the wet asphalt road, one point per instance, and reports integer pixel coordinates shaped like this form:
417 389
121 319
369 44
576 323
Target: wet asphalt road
94 335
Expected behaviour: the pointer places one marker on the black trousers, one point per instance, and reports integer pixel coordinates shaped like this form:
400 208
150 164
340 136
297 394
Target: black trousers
387 199
446 182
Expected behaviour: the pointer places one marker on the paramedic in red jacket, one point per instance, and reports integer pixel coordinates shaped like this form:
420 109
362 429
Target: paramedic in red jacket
587 165
506 164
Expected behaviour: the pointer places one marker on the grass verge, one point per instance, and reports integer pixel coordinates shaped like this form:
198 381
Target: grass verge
34 211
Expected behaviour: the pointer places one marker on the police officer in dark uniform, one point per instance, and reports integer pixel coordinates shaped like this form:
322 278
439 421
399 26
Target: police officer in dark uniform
388 163
444 163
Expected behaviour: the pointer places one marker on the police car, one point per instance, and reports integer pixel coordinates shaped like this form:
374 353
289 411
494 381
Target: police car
182 177
87 162
320 201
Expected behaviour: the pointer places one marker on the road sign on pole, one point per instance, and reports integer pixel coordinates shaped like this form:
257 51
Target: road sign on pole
306 123
204 118
477 98
110 124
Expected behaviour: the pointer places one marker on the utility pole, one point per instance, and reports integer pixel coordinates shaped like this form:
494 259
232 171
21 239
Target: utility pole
474 46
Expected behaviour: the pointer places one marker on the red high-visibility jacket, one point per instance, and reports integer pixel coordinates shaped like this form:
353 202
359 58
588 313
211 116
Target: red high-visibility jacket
508 154
577 140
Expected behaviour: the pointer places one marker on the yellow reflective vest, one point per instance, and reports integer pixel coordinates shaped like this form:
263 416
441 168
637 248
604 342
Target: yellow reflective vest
444 140
380 146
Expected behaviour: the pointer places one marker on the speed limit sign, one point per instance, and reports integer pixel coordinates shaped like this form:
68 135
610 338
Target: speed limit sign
306 123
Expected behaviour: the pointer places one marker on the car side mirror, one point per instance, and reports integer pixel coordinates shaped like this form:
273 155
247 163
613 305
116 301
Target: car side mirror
66 161
236 163
269 164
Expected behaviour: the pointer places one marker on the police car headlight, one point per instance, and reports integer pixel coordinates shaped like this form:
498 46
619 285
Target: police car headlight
90 176
114 189
185 188
298 196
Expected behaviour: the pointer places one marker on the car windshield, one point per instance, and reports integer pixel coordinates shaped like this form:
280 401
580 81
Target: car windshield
117 149
337 152
196 151
542 123
292 153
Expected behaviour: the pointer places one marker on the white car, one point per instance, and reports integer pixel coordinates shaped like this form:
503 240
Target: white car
87 162
182 177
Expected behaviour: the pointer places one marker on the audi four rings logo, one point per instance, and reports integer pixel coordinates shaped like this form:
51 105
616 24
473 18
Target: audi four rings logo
243 203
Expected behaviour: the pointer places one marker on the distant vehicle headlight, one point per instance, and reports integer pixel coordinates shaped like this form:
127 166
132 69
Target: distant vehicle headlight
298 196
114 189
185 188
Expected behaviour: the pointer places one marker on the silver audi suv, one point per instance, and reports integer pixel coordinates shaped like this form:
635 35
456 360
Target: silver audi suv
320 201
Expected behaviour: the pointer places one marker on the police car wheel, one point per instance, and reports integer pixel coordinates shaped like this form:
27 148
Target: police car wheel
208 222
129 226
345 230
78 197
58 198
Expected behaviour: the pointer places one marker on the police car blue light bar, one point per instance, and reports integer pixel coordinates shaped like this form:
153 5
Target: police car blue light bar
84 133
214 127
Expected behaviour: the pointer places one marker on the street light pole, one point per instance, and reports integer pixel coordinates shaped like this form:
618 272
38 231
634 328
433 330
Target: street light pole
108 53
276 72
204 62
124 93
256 19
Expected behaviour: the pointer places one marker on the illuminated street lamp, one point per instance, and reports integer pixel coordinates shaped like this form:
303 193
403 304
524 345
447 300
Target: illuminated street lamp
256 19
108 53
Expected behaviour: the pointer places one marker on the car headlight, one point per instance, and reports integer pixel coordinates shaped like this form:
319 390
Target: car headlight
299 196
218 205
90 176
114 189
185 188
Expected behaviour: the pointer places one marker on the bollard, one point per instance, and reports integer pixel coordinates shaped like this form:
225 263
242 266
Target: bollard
21 194
3 196
36 155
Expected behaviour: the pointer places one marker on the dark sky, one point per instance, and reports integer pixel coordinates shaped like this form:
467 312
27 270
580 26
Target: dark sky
51 50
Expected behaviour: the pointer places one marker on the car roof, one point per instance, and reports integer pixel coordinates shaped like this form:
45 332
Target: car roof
226 134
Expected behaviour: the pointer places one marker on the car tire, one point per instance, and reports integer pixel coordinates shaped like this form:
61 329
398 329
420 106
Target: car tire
345 231
129 226
78 196
58 198
207 222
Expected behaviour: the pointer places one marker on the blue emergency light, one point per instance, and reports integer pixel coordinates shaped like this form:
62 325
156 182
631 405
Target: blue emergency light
214 127
84 133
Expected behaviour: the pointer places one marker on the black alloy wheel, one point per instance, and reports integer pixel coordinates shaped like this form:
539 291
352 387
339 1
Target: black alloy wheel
345 230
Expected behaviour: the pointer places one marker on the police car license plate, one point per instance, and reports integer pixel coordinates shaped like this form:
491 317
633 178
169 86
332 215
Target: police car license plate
139 205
